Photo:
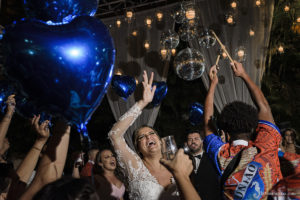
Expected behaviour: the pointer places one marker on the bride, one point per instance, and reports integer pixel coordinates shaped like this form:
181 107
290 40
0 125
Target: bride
147 178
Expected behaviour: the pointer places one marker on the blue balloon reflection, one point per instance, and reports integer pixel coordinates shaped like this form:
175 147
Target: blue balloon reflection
61 70
123 85
160 92
196 113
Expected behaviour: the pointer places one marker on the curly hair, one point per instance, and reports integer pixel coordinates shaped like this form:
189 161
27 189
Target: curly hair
238 118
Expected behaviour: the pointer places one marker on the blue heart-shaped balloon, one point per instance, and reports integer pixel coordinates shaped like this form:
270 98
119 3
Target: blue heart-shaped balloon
160 92
59 11
123 85
196 113
64 69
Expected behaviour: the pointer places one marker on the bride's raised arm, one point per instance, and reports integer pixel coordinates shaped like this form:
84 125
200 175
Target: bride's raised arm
129 159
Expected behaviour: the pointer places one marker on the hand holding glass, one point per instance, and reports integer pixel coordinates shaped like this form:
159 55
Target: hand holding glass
168 147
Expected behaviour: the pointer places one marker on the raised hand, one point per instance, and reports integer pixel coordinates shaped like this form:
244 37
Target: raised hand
238 69
149 91
11 103
213 75
181 164
41 129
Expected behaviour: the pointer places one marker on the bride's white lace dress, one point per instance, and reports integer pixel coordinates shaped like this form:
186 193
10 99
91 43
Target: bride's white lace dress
141 184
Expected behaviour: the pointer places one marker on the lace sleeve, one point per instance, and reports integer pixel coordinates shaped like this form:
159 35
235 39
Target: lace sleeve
128 159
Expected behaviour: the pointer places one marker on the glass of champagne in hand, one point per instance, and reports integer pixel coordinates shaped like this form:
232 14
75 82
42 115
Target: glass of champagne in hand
168 147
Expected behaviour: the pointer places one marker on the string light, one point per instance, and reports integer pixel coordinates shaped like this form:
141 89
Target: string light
129 15
118 22
118 72
136 81
134 33
147 44
229 19
298 20
241 53
190 13
233 4
251 32
148 22
224 55
159 15
163 53
286 8
258 3
173 51
280 49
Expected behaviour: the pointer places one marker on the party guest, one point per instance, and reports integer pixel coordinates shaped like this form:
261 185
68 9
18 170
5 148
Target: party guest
249 168
289 141
25 169
53 161
88 167
146 177
204 177
106 176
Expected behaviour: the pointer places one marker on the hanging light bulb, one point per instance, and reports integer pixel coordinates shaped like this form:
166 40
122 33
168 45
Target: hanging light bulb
134 33
251 32
190 13
159 15
240 54
129 15
173 51
148 22
286 8
233 4
136 81
229 19
118 72
280 49
147 44
118 23
163 53
298 19
224 55
258 3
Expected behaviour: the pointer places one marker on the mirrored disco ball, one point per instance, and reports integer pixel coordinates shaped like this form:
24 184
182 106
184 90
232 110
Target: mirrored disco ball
206 39
188 32
169 39
179 15
189 64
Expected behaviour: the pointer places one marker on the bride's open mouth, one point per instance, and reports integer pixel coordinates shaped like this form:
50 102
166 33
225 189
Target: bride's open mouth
151 144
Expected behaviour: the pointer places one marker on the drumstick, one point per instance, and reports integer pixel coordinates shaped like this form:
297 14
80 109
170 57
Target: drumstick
222 46
217 62
218 58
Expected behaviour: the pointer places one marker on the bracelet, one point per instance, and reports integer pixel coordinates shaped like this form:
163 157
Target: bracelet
36 148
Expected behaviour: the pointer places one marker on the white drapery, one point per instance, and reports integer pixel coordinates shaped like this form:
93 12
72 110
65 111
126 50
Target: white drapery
132 58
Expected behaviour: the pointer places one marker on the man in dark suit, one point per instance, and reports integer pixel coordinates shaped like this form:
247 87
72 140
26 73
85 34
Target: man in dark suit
204 176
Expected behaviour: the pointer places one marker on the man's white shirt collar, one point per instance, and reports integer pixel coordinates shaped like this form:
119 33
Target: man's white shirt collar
240 142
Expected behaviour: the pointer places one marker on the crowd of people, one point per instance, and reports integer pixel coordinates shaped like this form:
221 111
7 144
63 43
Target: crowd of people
243 155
